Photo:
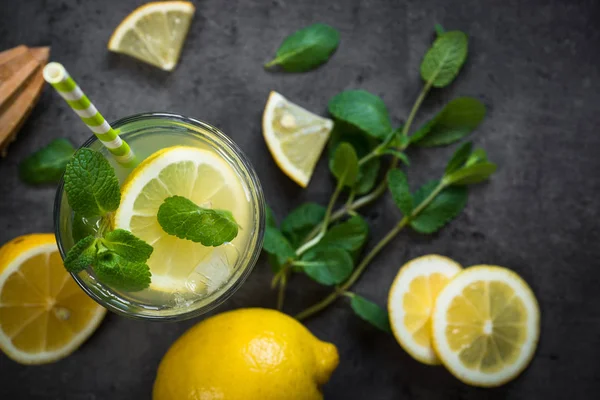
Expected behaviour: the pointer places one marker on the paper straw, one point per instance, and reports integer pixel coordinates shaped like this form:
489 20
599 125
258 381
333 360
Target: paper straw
56 75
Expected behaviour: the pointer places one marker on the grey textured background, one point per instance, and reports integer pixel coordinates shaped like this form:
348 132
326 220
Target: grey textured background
535 65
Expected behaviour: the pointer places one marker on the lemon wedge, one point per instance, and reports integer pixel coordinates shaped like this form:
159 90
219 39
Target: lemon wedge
206 179
154 33
411 299
295 137
486 325
44 315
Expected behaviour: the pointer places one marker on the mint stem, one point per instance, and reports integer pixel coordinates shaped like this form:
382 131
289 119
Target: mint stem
281 291
415 108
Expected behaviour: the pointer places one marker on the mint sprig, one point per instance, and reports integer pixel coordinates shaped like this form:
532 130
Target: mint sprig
118 258
181 217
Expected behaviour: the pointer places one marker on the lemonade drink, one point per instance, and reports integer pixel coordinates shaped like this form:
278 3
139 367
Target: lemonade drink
184 157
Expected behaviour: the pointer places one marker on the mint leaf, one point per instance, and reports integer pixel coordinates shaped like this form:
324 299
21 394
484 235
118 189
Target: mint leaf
82 227
362 110
270 217
181 217
459 118
274 263
276 244
344 165
327 265
82 255
398 184
399 155
361 142
127 245
370 312
91 184
350 235
439 29
120 273
443 60
472 174
446 205
476 157
459 158
306 48
300 221
48 164
367 176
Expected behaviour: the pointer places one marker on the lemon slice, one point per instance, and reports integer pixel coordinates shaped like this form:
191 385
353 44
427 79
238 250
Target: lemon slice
154 33
295 137
44 315
204 178
411 300
486 325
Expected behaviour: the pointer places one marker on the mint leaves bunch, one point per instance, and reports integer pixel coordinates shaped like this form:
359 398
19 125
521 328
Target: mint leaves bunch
326 245
117 257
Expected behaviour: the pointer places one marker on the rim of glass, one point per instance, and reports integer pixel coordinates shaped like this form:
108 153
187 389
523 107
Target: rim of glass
220 297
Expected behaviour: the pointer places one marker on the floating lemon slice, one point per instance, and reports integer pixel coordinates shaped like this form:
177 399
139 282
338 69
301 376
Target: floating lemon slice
44 315
204 178
154 33
486 325
411 300
295 137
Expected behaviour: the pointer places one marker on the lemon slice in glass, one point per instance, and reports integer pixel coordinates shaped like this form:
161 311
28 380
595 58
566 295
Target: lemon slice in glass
486 325
411 300
199 175
154 33
44 315
295 137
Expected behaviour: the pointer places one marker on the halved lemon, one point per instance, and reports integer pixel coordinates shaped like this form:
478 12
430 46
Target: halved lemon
206 179
295 137
154 33
411 300
486 325
44 315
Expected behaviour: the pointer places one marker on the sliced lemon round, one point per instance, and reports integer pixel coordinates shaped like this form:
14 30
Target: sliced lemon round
44 315
411 300
486 325
203 177
154 33
295 137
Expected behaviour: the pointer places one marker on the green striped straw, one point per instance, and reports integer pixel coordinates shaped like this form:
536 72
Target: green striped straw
56 75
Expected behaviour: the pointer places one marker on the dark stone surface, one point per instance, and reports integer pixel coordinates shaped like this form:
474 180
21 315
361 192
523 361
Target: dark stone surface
535 65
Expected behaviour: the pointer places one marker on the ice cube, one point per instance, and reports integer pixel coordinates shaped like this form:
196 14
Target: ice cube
214 271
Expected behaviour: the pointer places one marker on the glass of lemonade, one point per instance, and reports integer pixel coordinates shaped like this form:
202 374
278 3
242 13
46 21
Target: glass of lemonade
188 279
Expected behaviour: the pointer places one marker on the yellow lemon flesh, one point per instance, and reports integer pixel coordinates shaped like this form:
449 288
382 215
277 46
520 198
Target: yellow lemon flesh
154 33
203 177
295 137
247 354
44 315
411 300
486 325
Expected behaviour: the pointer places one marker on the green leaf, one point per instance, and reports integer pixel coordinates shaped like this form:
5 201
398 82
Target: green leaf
127 245
459 158
370 312
350 235
307 48
439 29
48 164
181 217
121 274
327 265
91 184
399 155
446 205
344 165
270 217
274 263
443 60
362 110
300 221
82 255
275 243
476 157
82 227
398 184
459 118
472 174
367 176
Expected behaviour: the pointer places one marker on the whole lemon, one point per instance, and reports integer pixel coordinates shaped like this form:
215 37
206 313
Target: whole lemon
246 354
